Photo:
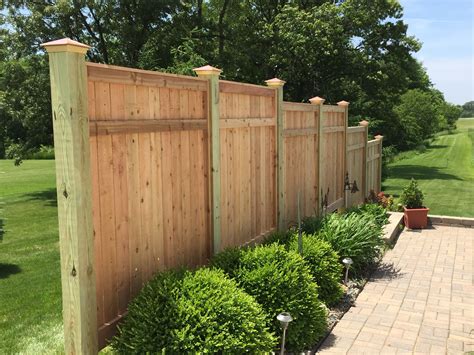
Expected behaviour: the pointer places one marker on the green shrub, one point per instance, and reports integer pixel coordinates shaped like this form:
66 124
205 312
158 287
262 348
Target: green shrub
227 260
324 265
412 197
278 237
377 212
281 282
192 312
353 235
312 224
43 152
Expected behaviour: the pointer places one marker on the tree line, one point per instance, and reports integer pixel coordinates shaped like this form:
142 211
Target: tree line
353 50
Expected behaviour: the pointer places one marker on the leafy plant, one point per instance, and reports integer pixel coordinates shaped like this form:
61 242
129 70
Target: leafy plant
312 224
412 196
280 281
278 237
353 235
324 266
376 211
190 312
227 260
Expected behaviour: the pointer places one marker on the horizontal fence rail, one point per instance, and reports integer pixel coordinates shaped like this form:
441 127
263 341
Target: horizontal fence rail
157 171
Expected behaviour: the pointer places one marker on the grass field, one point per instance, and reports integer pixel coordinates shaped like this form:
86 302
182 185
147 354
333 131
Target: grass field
445 172
30 286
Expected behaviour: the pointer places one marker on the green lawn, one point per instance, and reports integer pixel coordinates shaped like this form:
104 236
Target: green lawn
445 172
30 286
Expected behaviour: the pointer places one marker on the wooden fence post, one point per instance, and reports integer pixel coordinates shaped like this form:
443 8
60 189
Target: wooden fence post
345 105
74 189
212 75
280 148
320 102
365 124
379 182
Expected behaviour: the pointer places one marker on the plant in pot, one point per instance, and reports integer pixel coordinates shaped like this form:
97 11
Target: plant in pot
415 214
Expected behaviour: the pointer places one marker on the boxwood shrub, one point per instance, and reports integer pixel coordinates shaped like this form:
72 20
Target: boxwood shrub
280 281
353 235
190 312
324 265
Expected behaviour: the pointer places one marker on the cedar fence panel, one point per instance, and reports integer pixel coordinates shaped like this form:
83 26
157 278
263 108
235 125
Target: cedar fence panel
356 163
300 131
248 158
374 165
149 173
333 156
181 167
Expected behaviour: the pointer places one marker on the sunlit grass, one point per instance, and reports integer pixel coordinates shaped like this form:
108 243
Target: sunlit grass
445 172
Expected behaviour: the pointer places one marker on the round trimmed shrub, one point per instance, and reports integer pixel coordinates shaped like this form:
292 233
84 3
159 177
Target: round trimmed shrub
192 312
281 282
227 260
324 265
278 237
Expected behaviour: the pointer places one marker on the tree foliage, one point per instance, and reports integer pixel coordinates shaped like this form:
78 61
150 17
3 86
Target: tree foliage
356 50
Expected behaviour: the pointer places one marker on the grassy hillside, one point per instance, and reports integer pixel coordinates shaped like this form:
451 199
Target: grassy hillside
30 286
445 172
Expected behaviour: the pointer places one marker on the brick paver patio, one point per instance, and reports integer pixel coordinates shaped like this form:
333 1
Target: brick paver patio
420 301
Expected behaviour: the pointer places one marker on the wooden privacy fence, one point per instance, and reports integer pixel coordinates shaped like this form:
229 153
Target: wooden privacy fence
156 170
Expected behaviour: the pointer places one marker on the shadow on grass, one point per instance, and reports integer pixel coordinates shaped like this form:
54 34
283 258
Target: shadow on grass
48 196
8 269
437 146
419 172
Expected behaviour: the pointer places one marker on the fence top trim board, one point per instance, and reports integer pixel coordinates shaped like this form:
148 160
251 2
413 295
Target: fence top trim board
234 87
356 129
299 106
123 75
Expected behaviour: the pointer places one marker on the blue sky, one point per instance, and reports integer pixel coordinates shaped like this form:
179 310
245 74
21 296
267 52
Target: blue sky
446 29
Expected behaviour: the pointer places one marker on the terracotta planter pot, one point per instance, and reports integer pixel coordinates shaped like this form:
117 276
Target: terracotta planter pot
416 218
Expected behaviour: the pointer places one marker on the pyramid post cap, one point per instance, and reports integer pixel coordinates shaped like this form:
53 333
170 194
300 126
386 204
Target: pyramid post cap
207 70
378 136
317 100
275 82
364 123
65 45
343 103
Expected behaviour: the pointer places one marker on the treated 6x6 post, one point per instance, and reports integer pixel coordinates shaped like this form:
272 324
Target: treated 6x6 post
320 102
379 180
345 105
280 145
365 124
212 75
73 182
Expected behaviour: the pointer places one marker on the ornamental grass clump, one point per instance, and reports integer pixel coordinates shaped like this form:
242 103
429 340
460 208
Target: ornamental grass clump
376 211
353 235
194 312
280 281
324 265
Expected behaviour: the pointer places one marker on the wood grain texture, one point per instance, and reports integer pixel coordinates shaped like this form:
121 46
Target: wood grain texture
149 181
74 189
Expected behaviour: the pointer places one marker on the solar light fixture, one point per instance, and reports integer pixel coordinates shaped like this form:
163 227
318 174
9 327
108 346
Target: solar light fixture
284 318
347 263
